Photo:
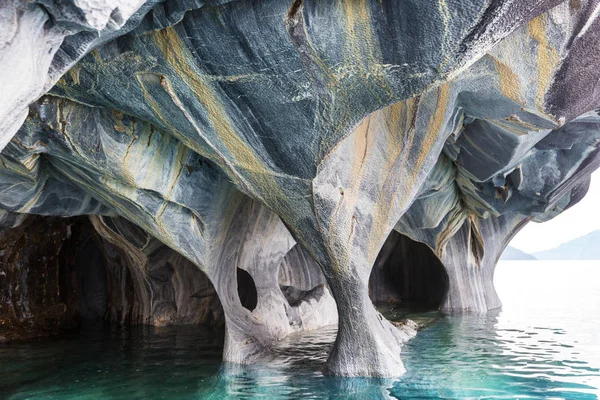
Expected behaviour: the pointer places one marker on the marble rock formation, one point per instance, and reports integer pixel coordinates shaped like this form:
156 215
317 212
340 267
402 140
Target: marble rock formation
38 288
284 149
41 40
56 272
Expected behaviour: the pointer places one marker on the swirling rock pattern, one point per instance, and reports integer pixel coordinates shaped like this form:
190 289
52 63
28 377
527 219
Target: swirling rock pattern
260 140
41 40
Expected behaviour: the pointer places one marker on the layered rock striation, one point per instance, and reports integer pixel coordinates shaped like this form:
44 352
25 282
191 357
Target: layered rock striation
306 158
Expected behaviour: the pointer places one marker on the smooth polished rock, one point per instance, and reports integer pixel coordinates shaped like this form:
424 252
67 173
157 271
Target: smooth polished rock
235 132
39 41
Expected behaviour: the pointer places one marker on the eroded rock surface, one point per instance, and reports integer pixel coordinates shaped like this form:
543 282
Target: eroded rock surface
56 272
276 147
39 292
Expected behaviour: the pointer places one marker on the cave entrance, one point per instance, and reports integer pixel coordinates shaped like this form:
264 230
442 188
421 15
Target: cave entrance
80 262
407 272
246 289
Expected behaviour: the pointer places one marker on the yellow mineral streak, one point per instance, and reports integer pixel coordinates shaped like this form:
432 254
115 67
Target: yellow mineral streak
263 184
458 217
119 241
33 201
575 4
510 84
435 128
547 57
342 218
31 162
362 53
392 200
96 55
360 47
362 143
399 120
74 73
177 56
118 125
164 119
180 156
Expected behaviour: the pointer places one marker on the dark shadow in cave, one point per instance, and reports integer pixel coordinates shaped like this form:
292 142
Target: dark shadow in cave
93 290
81 264
165 289
409 273
246 289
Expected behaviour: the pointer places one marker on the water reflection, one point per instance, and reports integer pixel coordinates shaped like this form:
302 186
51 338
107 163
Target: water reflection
484 356
236 382
294 373
531 349
457 357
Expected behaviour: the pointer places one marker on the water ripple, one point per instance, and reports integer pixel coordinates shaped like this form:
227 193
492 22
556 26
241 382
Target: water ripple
532 349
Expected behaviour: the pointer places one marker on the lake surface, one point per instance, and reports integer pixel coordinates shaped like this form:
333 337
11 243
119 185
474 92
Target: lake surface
543 344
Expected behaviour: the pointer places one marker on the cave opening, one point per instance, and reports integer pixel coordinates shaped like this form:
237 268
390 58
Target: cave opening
300 278
59 274
54 277
82 271
407 273
246 289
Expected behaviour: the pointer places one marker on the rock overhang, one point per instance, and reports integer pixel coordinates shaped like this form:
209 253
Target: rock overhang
215 126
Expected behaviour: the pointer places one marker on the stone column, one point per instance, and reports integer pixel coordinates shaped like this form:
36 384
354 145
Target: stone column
367 344
470 259
361 190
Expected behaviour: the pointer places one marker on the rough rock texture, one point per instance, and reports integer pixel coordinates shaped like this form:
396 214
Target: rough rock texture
257 139
148 283
474 219
55 272
40 280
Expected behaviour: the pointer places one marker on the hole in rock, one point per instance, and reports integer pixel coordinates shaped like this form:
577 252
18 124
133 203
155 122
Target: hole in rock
161 287
82 277
246 289
295 296
300 278
409 273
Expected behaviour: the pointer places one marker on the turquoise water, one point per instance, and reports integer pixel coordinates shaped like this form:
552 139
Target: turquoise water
543 344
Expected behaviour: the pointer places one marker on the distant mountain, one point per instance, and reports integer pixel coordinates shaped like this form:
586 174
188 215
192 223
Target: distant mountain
510 253
584 248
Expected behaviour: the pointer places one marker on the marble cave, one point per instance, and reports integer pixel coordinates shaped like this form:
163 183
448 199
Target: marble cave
274 166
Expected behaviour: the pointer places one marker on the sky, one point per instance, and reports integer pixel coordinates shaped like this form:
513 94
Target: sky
582 218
